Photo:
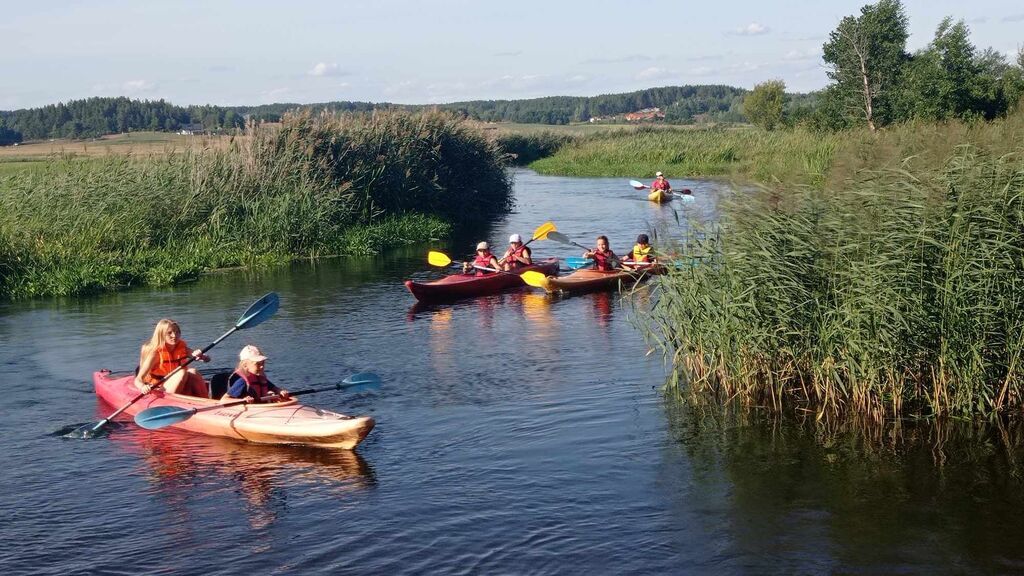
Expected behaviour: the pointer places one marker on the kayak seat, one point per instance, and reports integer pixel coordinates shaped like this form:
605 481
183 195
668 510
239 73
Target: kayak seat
219 384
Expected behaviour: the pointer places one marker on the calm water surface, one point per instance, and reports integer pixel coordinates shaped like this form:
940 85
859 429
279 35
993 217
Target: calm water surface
516 434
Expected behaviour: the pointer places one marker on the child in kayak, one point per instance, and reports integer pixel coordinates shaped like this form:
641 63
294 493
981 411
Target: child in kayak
517 255
484 259
642 253
162 354
249 380
603 257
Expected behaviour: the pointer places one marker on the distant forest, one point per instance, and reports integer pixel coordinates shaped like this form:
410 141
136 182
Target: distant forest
94 117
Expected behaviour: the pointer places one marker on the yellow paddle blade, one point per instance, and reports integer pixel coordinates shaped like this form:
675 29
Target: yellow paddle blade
534 278
542 231
438 258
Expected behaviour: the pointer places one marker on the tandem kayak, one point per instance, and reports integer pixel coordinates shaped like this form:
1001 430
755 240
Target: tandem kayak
459 286
273 423
660 196
586 280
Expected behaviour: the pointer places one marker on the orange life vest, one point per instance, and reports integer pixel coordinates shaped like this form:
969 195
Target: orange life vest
167 360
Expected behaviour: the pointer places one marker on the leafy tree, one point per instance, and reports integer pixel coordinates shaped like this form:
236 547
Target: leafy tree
7 135
763 106
866 55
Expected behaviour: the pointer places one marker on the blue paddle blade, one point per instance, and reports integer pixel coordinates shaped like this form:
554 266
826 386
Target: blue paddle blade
162 416
361 386
260 310
577 262
362 378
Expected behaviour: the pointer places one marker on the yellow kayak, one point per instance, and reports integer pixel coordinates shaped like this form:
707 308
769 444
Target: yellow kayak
659 196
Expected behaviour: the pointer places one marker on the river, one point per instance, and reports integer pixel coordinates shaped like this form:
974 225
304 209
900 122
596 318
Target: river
518 433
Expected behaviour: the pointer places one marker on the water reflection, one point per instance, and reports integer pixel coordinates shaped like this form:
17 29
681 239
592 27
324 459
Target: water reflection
184 469
904 498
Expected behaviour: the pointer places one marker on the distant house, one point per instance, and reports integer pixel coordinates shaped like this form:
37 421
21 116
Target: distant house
645 114
191 129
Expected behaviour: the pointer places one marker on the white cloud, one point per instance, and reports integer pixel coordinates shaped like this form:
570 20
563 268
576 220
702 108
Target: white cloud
808 54
752 29
138 86
651 73
577 79
702 71
325 69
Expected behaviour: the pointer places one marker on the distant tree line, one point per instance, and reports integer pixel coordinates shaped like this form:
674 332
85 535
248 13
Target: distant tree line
681 105
94 117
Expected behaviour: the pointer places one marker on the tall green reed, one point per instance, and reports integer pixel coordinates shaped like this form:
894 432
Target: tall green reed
315 185
896 291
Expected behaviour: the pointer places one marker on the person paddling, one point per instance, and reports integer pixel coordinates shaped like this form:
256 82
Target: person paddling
660 183
642 253
603 257
518 254
162 354
249 380
484 259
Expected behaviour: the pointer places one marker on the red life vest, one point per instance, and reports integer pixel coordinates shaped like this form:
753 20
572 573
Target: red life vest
256 386
483 260
603 260
512 254
661 185
167 360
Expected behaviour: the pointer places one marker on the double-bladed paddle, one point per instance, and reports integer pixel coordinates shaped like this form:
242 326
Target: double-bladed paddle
163 416
531 277
255 314
684 194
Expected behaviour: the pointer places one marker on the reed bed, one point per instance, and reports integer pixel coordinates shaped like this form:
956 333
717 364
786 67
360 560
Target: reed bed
788 156
896 290
316 185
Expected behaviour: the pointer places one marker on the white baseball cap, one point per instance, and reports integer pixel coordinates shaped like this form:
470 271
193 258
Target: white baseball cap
251 353
482 246
515 238
656 174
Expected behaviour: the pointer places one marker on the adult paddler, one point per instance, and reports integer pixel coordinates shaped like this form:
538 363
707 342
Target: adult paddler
660 183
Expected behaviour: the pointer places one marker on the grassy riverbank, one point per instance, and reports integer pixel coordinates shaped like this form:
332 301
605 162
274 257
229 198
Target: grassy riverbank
788 156
313 186
895 288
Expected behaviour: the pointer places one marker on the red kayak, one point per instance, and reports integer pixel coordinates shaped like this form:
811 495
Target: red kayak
459 286
273 423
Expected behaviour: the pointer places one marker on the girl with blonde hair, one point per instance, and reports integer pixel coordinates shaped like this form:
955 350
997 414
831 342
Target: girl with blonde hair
163 354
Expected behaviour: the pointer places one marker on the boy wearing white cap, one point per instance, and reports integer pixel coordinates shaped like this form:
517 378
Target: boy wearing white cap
517 255
249 380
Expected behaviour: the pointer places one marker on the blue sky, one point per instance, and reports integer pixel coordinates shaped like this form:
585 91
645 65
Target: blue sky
406 51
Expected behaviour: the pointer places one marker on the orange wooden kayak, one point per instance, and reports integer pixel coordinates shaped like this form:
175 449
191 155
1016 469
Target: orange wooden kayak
274 423
587 280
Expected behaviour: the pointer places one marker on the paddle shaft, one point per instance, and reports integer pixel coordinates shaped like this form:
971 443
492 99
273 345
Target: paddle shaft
270 397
